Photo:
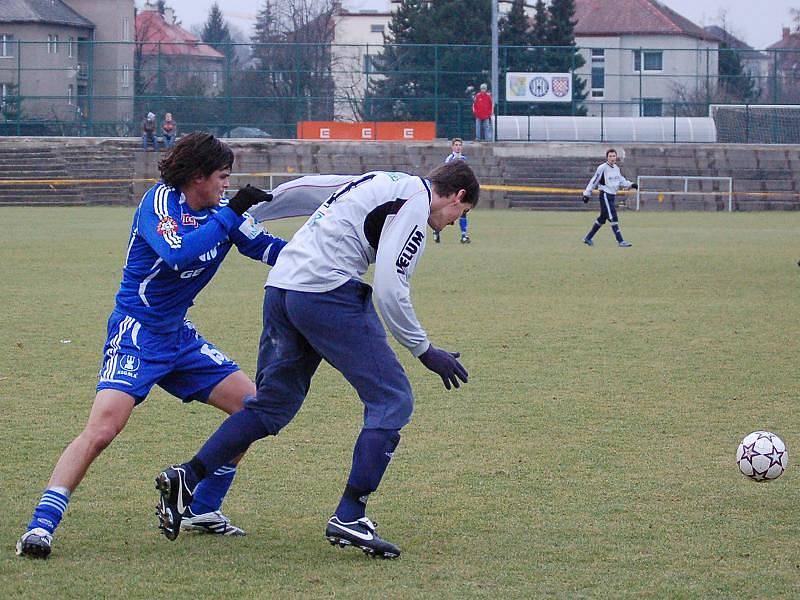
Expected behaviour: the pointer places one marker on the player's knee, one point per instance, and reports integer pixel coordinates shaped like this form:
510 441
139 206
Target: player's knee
98 436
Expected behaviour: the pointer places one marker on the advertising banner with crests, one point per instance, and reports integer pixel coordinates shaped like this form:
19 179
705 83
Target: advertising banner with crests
538 87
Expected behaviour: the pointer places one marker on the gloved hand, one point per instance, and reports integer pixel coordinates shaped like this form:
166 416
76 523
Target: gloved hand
634 186
446 365
586 199
247 197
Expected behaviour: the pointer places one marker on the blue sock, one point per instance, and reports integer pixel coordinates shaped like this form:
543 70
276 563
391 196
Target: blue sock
210 492
595 228
232 438
50 510
617 232
462 222
371 455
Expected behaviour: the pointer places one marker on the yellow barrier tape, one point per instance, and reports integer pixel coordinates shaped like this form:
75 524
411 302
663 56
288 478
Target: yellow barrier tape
492 187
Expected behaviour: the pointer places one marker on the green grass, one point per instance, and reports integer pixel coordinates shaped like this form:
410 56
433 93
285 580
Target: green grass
591 454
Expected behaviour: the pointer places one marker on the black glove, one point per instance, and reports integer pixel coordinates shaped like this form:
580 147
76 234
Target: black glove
446 365
586 199
247 197
634 186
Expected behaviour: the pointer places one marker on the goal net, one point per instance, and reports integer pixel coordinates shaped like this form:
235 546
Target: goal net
756 123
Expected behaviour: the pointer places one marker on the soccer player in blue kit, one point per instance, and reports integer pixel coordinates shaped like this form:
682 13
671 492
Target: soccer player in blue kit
456 146
181 233
608 178
317 307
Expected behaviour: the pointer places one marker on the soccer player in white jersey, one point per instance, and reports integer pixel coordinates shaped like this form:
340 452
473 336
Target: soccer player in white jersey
181 233
608 178
456 147
316 307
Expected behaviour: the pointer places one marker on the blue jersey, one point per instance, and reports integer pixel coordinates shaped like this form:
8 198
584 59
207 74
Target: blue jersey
174 251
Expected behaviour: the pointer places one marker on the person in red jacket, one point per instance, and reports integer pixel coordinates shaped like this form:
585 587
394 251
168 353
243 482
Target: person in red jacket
482 106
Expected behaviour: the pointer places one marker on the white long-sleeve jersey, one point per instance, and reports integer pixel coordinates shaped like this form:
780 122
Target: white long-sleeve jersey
379 218
608 178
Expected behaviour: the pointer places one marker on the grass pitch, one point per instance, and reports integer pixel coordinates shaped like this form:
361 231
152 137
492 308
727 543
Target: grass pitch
591 454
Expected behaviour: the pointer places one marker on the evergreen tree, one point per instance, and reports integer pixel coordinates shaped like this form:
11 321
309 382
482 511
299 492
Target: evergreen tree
734 81
216 33
429 82
539 36
563 56
517 53
392 94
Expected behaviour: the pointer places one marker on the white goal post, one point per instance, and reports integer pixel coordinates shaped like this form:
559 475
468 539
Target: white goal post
685 179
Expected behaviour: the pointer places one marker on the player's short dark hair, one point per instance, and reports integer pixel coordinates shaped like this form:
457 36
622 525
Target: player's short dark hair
196 154
454 140
609 151
456 175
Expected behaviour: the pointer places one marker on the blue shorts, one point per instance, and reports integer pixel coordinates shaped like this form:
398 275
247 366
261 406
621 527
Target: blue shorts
182 362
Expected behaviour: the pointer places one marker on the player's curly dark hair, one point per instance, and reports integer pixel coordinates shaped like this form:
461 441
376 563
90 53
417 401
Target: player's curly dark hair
195 154
453 176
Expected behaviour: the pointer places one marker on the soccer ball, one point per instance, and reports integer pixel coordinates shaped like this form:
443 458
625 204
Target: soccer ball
762 456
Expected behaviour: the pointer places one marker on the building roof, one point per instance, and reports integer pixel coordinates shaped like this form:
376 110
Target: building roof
169 39
633 17
734 42
789 41
41 11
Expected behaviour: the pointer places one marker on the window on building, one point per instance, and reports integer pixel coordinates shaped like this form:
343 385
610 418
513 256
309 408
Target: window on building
70 46
653 60
652 107
214 78
6 45
5 90
376 28
126 29
126 76
52 44
598 72
70 94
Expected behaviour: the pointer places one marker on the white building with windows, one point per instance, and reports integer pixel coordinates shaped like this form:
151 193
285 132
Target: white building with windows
642 57
357 40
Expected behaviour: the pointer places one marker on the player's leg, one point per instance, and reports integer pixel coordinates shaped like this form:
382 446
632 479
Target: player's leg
204 514
598 222
286 363
203 373
344 328
462 222
611 207
125 379
109 414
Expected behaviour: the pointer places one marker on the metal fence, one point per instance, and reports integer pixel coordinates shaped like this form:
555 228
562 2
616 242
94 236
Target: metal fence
91 88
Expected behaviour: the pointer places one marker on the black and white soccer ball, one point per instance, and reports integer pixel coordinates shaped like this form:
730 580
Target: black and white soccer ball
762 456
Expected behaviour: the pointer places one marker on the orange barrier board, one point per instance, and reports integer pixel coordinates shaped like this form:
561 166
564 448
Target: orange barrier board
367 130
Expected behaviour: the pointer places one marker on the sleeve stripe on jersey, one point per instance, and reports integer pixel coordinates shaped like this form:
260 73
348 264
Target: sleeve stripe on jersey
160 203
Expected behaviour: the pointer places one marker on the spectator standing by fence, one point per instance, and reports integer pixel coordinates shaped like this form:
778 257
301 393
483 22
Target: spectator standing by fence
482 108
149 131
168 130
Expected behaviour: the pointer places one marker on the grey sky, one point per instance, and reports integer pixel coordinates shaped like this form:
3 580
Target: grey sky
757 22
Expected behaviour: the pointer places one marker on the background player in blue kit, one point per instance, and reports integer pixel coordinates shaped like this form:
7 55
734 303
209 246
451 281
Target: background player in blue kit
317 307
181 233
608 178
456 147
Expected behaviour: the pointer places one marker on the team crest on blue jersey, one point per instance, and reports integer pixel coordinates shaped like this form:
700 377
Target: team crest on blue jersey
166 226
188 220
128 365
